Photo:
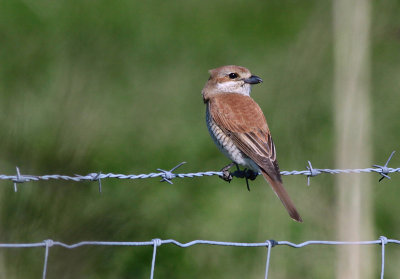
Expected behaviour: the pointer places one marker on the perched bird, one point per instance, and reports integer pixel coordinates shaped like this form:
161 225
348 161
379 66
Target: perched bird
239 129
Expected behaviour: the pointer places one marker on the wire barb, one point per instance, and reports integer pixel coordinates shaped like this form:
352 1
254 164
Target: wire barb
312 172
384 169
18 179
97 177
168 175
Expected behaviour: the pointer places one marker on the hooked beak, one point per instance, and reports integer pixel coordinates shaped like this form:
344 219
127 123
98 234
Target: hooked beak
252 80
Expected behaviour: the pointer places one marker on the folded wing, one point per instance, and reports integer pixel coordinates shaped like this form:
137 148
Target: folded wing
243 121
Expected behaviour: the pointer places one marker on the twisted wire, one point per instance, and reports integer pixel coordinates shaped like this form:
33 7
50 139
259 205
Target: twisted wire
168 175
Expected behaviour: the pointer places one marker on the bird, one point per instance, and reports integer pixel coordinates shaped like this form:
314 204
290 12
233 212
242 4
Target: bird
238 127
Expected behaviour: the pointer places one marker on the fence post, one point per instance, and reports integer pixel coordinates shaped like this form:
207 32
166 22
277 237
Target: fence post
351 22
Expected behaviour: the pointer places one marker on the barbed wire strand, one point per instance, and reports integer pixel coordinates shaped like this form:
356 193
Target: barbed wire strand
168 175
269 244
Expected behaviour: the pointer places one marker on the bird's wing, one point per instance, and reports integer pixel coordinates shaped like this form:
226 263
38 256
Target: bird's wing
243 121
241 118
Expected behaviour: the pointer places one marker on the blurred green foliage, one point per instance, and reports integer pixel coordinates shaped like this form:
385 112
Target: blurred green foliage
114 86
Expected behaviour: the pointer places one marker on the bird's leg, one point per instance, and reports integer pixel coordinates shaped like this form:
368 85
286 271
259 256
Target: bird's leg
226 175
247 183
237 166
246 173
249 174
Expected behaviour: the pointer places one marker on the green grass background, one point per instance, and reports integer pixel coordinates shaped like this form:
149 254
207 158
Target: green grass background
114 86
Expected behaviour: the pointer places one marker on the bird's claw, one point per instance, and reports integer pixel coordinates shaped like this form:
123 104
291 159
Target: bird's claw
226 174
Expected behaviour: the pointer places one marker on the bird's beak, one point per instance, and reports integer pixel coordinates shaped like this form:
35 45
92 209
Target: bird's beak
252 80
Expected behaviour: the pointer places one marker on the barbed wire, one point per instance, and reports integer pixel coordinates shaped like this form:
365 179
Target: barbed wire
168 175
269 244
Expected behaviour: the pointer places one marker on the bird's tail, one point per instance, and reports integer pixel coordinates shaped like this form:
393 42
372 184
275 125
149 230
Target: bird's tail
280 191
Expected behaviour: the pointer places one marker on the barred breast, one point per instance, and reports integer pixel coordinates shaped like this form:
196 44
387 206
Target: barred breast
226 145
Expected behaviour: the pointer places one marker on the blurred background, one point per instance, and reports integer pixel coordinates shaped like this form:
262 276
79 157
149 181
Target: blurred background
115 86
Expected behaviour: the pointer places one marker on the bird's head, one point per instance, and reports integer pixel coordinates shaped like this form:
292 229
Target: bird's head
229 79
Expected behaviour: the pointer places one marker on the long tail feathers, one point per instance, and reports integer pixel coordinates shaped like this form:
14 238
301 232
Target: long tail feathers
280 191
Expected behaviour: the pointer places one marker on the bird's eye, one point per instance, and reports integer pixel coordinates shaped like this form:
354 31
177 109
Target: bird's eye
233 75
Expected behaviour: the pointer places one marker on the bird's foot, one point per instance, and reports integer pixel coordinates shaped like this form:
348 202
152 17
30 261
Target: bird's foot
250 174
226 174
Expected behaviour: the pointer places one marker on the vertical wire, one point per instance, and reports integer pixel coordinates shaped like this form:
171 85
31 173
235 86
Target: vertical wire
46 257
384 242
268 258
156 242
